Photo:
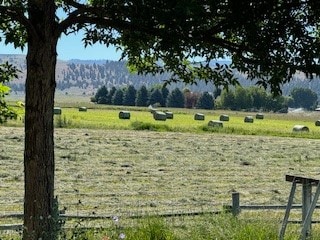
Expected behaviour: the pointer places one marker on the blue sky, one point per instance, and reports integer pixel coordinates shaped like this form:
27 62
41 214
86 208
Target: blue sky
71 47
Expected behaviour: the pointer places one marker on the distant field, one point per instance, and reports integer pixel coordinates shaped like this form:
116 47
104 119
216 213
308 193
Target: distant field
107 117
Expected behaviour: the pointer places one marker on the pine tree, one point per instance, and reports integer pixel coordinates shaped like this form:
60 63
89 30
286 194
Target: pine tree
205 101
175 99
156 97
129 96
101 96
142 97
117 98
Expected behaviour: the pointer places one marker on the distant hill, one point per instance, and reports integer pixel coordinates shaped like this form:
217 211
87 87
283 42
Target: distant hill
89 75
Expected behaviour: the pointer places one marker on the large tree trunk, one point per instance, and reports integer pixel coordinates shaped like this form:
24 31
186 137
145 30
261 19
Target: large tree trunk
39 144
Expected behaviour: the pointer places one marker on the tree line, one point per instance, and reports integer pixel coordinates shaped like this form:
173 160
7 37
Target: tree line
238 98
259 99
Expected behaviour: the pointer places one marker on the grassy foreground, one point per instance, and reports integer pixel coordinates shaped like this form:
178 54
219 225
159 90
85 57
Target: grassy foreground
217 227
105 167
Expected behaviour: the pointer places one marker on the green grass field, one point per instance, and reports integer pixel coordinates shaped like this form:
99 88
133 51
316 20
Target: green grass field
104 167
107 117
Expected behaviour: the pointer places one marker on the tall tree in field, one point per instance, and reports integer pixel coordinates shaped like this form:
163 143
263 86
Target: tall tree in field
304 97
101 96
129 96
142 96
270 40
155 97
205 101
175 98
117 98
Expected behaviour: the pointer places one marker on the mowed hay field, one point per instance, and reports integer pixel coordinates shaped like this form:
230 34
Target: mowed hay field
125 172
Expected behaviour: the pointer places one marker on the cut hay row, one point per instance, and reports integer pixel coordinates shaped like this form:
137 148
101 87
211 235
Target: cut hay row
128 172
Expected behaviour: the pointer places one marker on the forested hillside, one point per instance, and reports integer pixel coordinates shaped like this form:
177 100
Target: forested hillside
89 75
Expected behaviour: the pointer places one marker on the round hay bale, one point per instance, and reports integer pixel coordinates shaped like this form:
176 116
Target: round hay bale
224 118
259 116
124 115
82 109
248 119
215 123
199 117
317 123
160 116
57 111
169 115
300 128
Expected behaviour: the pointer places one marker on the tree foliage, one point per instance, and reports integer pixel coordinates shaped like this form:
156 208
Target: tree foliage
156 97
142 97
252 98
117 98
7 73
129 96
305 98
205 101
175 98
101 96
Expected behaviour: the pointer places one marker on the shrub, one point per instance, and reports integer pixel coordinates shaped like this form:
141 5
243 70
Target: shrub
137 125
62 122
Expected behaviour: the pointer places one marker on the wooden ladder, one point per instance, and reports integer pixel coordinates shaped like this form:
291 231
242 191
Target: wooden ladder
308 204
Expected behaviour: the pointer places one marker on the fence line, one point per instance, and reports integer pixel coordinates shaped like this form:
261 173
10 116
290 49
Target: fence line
235 209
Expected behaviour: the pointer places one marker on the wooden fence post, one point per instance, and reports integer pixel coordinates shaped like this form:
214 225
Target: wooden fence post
235 203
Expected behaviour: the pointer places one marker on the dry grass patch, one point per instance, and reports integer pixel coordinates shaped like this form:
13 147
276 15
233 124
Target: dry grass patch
105 172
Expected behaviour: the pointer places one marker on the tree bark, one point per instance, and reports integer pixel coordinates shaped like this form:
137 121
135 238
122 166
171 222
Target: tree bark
39 126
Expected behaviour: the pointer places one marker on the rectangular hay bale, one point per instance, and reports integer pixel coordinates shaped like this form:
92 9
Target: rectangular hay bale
57 111
248 119
124 115
82 109
159 116
199 117
224 118
215 123
169 115
259 116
